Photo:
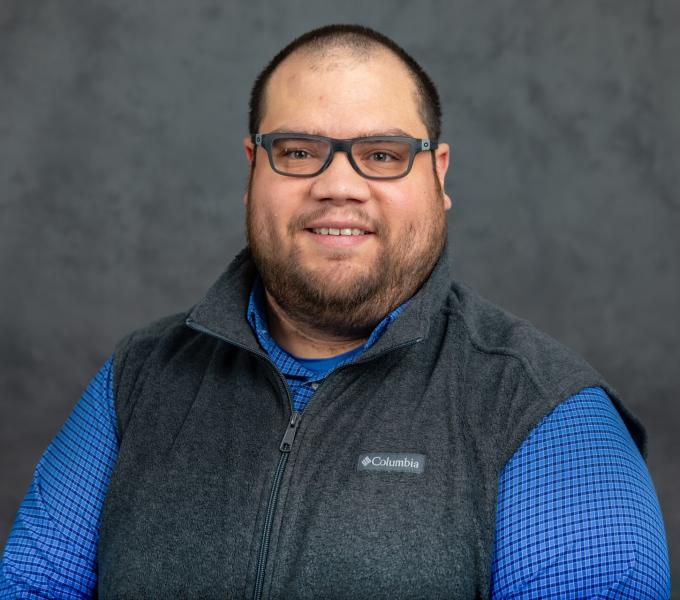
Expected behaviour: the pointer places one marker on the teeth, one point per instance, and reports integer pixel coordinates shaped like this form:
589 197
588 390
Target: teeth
335 231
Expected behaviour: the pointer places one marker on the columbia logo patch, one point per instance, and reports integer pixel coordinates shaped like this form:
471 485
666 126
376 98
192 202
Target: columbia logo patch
400 462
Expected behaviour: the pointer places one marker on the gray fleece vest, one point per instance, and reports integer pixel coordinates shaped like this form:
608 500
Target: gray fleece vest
385 487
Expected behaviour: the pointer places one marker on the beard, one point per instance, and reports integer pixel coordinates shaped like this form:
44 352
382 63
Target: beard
331 301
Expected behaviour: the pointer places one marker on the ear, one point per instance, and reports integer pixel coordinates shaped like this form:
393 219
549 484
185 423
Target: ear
441 157
249 148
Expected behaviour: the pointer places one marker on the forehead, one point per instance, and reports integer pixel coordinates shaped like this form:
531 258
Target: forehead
341 94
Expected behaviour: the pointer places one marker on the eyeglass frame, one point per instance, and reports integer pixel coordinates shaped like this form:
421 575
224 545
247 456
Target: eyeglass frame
265 140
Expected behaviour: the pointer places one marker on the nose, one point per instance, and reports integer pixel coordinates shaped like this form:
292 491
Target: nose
340 183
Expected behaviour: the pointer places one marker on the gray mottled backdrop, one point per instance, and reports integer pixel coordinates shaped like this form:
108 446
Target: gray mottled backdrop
121 176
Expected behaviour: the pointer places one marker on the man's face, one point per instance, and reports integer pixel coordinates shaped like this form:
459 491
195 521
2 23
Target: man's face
344 284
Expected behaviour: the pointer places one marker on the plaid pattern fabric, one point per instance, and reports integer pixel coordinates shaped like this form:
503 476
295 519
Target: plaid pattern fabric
578 516
52 549
577 512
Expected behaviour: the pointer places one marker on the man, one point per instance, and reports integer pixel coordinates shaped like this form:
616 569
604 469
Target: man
336 418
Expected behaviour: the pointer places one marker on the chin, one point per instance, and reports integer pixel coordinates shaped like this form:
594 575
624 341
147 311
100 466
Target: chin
339 272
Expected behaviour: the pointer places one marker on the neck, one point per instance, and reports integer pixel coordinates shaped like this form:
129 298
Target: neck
301 340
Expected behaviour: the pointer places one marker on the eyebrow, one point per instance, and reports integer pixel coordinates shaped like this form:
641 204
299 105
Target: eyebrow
369 133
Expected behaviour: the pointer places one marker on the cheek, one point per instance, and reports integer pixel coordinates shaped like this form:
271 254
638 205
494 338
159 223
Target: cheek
279 197
271 215
407 206
265 202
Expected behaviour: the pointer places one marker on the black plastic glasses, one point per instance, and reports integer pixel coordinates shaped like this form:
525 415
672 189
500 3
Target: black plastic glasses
376 157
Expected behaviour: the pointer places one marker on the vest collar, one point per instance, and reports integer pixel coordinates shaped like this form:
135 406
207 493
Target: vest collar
222 311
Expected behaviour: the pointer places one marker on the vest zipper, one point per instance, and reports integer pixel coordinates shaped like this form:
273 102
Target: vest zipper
286 445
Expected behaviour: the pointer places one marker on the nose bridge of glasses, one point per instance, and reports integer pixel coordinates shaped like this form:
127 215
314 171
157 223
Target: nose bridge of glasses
344 146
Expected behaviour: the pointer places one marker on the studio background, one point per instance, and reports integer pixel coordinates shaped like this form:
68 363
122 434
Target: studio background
122 174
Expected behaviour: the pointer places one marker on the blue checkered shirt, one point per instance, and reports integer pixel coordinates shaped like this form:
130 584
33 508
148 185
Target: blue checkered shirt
577 513
302 380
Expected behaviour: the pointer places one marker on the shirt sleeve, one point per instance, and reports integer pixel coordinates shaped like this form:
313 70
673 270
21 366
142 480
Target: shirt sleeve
578 516
52 548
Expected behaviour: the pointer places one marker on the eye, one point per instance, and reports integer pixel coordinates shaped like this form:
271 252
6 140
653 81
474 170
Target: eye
381 152
381 156
295 154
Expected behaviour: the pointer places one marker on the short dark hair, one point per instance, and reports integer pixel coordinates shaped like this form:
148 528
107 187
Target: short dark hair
359 39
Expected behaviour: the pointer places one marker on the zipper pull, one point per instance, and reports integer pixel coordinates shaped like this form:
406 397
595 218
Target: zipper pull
289 436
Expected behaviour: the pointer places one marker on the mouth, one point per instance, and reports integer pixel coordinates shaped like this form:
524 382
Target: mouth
337 235
345 231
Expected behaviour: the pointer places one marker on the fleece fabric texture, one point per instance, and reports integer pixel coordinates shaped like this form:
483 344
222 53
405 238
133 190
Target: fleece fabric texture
201 413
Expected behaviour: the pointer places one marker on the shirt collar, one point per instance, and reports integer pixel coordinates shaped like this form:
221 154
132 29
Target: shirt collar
223 310
286 363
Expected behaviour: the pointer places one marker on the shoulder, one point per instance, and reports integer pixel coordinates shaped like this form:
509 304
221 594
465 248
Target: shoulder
152 333
140 342
523 357
492 330
141 350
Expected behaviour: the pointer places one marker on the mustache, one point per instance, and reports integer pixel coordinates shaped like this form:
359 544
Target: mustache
325 212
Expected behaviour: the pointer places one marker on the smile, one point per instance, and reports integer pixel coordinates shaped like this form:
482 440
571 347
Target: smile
334 231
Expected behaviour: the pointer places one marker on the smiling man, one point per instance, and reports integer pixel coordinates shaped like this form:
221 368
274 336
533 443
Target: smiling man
342 242
337 418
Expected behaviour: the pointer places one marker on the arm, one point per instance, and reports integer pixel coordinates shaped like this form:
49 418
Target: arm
52 549
577 513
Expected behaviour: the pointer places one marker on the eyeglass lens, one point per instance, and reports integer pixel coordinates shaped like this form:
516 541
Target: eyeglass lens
375 158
